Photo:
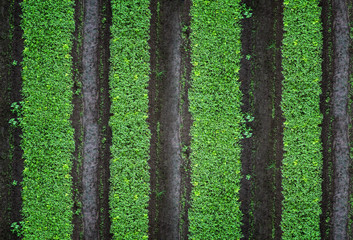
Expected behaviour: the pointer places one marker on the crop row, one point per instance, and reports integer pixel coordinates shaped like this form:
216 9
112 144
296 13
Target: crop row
215 100
47 133
129 75
302 163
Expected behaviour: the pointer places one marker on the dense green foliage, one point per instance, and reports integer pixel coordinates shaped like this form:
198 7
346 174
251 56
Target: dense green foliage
215 100
129 189
47 132
302 161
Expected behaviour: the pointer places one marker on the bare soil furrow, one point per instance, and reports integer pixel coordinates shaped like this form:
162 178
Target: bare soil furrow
90 93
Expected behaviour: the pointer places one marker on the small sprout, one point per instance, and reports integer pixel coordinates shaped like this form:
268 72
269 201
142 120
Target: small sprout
13 122
249 118
16 228
246 11
247 133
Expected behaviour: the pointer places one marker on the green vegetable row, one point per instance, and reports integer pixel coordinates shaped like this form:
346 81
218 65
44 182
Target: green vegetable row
302 162
47 133
129 76
215 100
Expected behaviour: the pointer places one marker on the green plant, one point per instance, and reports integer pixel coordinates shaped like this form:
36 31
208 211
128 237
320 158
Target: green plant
14 183
215 101
129 75
302 163
247 132
47 140
16 228
246 11
16 110
13 122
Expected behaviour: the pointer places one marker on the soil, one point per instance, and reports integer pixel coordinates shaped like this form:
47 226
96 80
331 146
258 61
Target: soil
186 121
153 121
277 131
340 93
76 120
326 136
350 226
263 75
105 130
246 143
5 116
170 119
17 160
260 76
11 161
90 93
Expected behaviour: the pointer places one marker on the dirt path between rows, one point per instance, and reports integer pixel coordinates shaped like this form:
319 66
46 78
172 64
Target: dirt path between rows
90 93
169 120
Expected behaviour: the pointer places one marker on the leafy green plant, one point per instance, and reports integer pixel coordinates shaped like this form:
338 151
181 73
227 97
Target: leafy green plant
16 110
16 228
13 122
16 107
302 163
129 75
47 133
246 11
215 101
14 183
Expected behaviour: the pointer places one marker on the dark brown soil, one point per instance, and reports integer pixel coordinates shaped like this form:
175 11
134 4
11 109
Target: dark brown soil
17 160
277 131
11 162
169 120
76 119
245 79
263 75
5 116
326 136
262 153
153 121
186 120
105 130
